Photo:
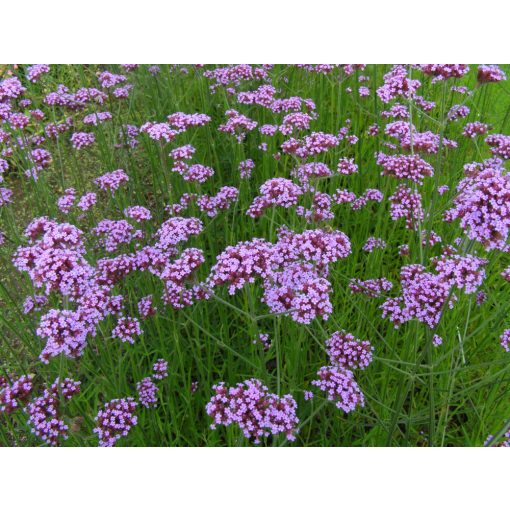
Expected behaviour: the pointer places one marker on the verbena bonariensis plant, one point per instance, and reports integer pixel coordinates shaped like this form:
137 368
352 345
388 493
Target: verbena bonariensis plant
254 254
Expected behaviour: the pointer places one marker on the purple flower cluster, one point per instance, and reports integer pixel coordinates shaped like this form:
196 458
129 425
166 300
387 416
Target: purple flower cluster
112 181
182 121
458 112
320 209
66 333
347 166
374 243
397 84
5 196
138 213
225 197
500 145
291 270
44 415
482 205
113 233
193 173
311 145
115 420
160 369
147 392
66 201
464 272
146 307
345 351
340 387
490 73
177 274
245 168
241 264
237 125
12 394
424 297
275 192
97 118
34 72
405 167
126 329
109 80
371 288
80 140
444 71
263 339
370 195
254 410
473 129
87 201
406 203
505 340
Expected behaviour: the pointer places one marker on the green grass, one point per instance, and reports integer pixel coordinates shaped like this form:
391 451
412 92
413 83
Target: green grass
416 395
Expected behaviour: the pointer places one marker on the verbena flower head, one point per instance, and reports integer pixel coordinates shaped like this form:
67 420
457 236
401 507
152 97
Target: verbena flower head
87 201
115 420
406 203
237 125
340 387
97 118
397 84
159 131
109 80
444 71
311 145
482 207
13 394
372 288
126 329
373 243
146 307
405 167
275 192
437 340
490 73
254 410
44 412
147 392
473 129
5 196
465 272
241 264
80 140
345 351
505 340
500 145
11 88
424 297
263 339
245 168
138 213
160 369
65 332
66 201
112 181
